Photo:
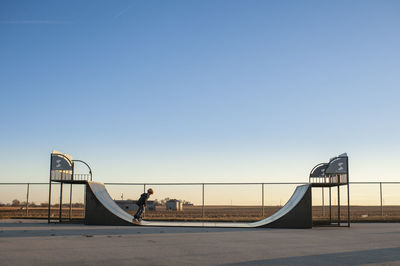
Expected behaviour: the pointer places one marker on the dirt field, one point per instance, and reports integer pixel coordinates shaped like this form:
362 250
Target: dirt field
38 212
220 213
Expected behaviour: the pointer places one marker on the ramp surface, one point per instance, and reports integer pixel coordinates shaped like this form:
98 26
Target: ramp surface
100 209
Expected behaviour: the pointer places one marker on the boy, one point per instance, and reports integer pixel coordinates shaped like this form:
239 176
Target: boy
142 203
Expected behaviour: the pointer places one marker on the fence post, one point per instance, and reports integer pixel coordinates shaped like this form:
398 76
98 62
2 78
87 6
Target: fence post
70 202
61 202
144 191
27 199
338 203
202 197
330 205
323 203
262 198
380 193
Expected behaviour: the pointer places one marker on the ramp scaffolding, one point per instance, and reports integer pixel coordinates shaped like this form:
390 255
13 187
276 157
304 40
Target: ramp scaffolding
330 175
101 209
62 171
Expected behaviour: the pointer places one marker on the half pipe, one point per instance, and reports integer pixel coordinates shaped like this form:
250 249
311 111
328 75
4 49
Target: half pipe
100 209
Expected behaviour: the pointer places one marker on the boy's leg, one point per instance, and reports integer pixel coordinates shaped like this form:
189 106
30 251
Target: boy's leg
138 213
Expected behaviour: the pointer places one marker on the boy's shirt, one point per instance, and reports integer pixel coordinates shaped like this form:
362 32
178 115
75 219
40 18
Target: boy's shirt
143 198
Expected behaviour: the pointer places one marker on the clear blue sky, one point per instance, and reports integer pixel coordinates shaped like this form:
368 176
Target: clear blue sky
200 91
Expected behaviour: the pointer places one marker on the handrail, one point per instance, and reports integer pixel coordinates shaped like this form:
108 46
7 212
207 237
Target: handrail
90 169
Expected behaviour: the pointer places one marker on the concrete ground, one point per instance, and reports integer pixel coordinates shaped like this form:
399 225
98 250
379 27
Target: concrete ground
29 242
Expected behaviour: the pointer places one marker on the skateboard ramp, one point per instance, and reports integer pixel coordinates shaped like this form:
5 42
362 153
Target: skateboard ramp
100 209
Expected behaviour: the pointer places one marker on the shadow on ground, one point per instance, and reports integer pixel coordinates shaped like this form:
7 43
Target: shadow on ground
34 229
370 256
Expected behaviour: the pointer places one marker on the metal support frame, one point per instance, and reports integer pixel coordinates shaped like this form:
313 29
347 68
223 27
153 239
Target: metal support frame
338 203
323 203
49 207
70 202
61 194
319 177
348 205
348 193
62 181
330 205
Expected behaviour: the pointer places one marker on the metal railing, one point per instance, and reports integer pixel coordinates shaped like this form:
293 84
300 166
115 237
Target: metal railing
203 189
83 177
356 198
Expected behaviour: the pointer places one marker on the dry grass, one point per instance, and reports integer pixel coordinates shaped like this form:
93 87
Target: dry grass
222 213
38 212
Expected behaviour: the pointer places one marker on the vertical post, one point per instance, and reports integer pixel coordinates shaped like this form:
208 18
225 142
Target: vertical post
48 211
380 190
348 204
70 191
144 191
70 203
338 202
323 203
348 194
84 201
61 191
202 198
262 198
330 205
27 199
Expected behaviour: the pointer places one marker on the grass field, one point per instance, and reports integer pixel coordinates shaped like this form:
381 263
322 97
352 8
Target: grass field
220 213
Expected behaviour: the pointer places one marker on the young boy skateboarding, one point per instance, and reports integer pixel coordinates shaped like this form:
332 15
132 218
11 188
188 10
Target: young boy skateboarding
142 203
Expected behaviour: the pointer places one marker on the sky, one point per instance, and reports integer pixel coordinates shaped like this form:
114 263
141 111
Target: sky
200 91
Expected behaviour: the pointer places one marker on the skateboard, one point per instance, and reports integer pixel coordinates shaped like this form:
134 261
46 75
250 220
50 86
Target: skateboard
136 221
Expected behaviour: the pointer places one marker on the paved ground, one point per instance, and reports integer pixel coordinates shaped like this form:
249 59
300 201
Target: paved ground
28 242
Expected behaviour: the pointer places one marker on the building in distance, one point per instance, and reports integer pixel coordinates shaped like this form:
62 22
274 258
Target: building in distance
174 205
130 205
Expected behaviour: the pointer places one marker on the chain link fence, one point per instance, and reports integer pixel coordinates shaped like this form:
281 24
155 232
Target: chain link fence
220 201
